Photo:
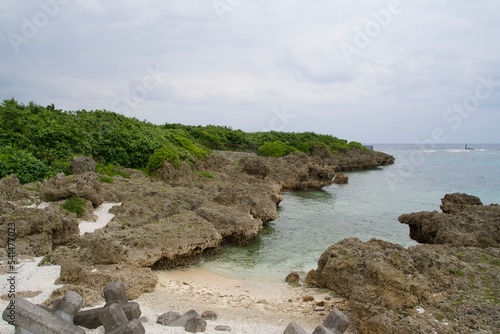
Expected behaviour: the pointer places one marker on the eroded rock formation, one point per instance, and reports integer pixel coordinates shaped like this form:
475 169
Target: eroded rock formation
167 221
463 222
449 287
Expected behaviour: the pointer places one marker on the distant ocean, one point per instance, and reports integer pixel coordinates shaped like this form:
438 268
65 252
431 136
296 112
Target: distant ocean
368 207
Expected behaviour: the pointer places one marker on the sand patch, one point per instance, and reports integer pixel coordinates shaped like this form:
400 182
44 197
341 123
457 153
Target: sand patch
103 218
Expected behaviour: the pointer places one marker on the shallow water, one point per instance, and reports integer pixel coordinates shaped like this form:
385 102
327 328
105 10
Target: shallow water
367 207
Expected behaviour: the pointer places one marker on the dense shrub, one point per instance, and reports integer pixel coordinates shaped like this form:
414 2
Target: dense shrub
162 154
275 149
75 204
22 163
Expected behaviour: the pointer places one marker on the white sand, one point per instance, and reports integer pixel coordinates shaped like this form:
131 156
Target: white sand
103 218
243 306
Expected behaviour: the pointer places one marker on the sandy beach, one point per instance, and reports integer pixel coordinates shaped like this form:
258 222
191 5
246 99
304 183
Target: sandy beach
246 307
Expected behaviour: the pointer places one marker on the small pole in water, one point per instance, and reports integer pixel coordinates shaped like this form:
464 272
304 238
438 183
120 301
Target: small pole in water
466 146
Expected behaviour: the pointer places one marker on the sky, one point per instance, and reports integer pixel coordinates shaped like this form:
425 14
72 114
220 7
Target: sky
374 71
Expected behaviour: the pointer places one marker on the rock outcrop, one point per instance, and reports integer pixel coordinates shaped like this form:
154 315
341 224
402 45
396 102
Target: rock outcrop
464 222
80 165
341 178
443 288
11 190
38 231
85 185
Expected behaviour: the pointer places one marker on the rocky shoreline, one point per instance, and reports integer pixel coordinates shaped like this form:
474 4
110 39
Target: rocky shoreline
163 222
448 284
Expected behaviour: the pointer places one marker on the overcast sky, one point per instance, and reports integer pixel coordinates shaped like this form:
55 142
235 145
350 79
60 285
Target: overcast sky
371 71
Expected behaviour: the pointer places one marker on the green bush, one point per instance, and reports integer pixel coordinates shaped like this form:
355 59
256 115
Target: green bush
110 170
160 155
355 144
275 149
106 179
75 204
197 151
22 163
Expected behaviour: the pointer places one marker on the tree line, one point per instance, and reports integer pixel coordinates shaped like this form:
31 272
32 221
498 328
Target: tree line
37 142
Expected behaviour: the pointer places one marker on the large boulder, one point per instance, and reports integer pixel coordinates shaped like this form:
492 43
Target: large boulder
12 190
375 269
80 165
86 185
39 231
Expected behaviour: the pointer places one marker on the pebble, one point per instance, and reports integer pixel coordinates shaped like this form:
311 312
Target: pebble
308 298
222 328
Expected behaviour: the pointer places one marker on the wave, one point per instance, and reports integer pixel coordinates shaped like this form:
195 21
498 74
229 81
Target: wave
459 150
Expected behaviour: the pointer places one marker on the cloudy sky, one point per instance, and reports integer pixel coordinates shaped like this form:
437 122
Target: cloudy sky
375 71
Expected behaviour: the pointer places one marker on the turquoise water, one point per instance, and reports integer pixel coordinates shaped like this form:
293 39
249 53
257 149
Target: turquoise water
367 207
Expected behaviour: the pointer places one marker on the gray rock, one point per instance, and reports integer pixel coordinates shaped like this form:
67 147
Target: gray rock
82 164
68 306
115 294
168 317
294 328
293 279
209 315
182 321
323 330
30 318
195 325
222 328
115 321
337 321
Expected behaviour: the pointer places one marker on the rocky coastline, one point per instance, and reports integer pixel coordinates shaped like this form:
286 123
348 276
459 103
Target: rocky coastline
163 222
448 284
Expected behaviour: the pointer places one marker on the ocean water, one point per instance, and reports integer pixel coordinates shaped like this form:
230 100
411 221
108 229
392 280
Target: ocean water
368 207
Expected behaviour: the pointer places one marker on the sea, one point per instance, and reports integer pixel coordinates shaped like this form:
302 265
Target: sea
367 207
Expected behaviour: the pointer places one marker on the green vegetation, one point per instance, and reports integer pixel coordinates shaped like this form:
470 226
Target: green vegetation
110 170
75 204
275 149
37 142
106 179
